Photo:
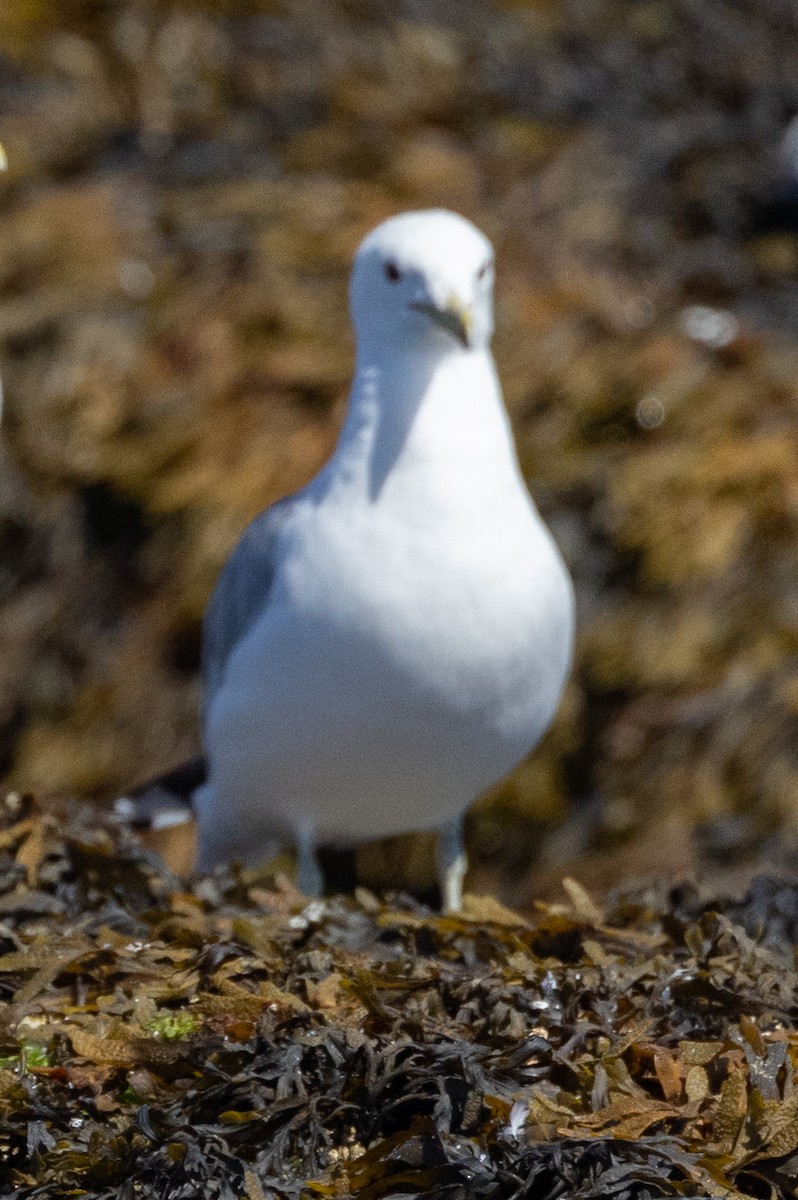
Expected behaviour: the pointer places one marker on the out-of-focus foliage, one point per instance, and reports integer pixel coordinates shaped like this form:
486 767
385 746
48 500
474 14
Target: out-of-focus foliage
187 184
235 1041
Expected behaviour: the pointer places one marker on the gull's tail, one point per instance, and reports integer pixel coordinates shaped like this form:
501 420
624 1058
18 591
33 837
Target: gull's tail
163 801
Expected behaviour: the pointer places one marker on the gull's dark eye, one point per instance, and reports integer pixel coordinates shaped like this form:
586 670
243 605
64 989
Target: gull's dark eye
483 270
392 272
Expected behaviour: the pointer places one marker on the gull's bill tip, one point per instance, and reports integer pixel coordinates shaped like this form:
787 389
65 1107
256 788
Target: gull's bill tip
455 317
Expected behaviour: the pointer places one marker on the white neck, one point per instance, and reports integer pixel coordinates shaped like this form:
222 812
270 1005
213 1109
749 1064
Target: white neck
409 414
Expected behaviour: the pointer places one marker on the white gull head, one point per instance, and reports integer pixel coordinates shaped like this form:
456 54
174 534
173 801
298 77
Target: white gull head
423 283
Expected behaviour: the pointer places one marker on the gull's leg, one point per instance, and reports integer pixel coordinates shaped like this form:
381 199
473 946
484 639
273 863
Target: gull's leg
452 863
308 872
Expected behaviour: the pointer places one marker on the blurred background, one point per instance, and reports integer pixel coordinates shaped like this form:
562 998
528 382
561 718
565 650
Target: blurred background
187 183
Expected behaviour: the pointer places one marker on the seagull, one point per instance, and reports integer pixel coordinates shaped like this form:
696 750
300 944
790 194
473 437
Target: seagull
390 641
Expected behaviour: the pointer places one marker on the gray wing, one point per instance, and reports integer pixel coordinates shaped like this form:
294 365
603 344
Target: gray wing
242 590
241 593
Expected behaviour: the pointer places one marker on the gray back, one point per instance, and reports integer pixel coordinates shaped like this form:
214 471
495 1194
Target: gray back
242 591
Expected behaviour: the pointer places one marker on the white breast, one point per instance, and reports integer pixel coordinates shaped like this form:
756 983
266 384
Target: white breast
412 652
